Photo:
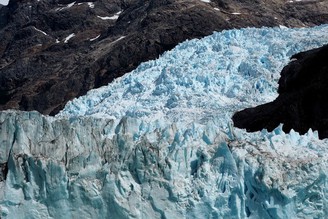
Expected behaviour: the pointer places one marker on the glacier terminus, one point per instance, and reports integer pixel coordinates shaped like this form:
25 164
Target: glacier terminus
159 141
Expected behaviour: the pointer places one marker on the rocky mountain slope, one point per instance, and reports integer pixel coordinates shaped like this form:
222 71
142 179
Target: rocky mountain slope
52 51
302 102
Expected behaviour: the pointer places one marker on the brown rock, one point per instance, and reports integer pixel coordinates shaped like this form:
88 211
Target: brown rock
41 71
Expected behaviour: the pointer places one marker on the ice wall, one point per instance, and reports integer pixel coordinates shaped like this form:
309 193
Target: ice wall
158 142
91 168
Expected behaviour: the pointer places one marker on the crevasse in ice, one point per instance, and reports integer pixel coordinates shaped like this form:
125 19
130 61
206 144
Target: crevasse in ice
158 142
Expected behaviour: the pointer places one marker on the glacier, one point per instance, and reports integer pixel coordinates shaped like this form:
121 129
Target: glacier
159 141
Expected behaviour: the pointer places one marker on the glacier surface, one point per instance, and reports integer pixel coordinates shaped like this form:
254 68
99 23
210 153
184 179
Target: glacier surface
158 142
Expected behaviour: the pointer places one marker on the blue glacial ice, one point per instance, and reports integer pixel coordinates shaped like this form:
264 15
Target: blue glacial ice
158 142
202 80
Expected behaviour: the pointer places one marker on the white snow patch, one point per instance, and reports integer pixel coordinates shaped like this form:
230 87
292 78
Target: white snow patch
115 41
65 6
217 9
4 2
114 17
236 13
91 4
57 41
95 38
69 37
206 1
44 33
292 1
70 5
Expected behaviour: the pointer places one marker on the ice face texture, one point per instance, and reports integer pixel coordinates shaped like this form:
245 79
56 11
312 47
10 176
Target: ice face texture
158 142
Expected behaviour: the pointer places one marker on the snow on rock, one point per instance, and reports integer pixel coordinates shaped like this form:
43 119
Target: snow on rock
91 4
44 33
4 2
158 142
92 39
298 1
114 17
65 6
69 37
70 4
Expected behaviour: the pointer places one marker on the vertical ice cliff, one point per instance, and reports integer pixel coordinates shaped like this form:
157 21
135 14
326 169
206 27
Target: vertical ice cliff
158 142
91 168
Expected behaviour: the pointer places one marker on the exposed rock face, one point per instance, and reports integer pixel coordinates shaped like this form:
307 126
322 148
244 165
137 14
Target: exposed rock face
53 51
302 102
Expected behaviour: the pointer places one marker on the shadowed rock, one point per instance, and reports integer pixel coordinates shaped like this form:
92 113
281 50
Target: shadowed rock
302 102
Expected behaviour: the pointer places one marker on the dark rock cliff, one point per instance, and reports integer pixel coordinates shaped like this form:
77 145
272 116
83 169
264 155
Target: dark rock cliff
303 98
54 50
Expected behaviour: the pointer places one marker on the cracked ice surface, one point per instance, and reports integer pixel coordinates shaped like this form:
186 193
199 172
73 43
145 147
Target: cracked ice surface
158 142
202 80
